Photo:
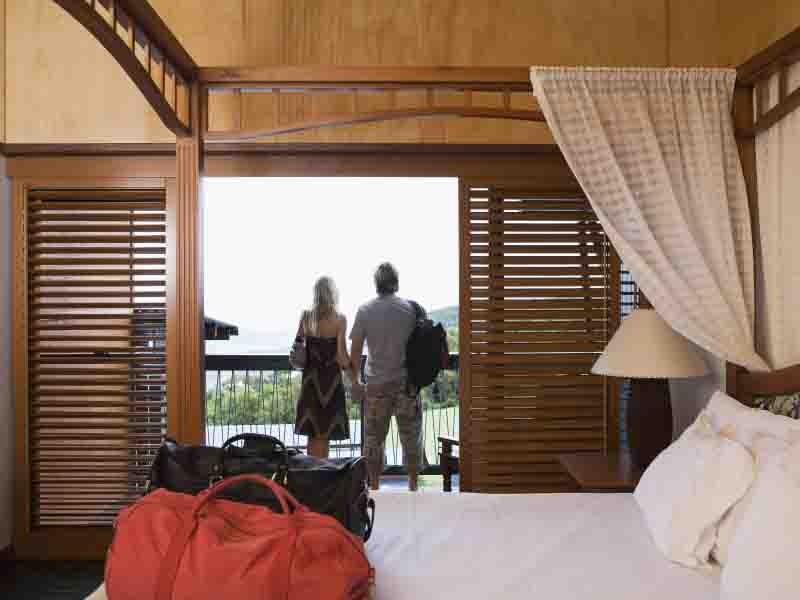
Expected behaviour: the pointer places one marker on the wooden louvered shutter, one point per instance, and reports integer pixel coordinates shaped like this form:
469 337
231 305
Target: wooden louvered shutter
96 269
540 300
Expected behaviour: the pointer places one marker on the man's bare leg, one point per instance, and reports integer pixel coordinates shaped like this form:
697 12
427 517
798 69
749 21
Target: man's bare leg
413 478
375 476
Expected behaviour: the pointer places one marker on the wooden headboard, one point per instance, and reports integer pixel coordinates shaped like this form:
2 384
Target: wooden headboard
744 386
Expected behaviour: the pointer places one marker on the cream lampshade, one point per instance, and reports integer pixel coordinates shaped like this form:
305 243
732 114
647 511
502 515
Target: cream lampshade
646 347
648 351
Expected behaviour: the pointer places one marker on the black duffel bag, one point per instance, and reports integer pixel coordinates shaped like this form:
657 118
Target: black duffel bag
337 486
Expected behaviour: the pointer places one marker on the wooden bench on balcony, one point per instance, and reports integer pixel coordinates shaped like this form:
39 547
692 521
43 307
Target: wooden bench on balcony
448 460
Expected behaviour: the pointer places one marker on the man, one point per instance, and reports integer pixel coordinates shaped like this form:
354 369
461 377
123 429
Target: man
385 324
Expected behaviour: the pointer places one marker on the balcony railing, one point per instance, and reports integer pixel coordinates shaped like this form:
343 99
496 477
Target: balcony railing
259 393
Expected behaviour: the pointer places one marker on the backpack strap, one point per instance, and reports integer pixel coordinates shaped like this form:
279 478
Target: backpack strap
419 312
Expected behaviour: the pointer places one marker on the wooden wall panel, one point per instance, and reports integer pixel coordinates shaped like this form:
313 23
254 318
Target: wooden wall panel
452 32
105 107
752 26
694 35
64 86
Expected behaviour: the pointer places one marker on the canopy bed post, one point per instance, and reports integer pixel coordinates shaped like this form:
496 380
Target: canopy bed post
185 334
744 120
767 128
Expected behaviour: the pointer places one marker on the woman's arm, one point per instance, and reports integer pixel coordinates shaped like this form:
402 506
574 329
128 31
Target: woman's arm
341 345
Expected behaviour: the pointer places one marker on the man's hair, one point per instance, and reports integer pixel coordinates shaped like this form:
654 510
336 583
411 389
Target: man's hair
386 279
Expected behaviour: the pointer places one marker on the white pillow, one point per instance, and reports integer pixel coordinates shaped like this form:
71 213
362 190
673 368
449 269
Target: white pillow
687 489
764 449
762 561
743 424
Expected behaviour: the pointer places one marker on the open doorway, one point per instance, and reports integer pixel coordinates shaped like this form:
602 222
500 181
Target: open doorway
268 239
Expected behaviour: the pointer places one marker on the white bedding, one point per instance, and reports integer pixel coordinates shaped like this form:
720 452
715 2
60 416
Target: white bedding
547 546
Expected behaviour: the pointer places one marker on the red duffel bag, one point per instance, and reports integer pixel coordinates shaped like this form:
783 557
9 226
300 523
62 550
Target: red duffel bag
170 546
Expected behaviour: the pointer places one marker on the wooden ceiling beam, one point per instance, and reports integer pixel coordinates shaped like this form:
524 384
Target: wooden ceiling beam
512 78
770 60
153 26
163 50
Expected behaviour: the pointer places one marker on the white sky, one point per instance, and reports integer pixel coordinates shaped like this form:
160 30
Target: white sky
268 239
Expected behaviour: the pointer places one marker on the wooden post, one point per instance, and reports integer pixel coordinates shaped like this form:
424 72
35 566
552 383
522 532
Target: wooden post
185 333
612 384
19 362
464 341
744 121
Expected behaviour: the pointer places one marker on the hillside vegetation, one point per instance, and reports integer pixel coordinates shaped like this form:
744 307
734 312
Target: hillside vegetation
448 317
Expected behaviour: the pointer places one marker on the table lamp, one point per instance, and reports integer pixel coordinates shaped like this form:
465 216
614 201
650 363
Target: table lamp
647 350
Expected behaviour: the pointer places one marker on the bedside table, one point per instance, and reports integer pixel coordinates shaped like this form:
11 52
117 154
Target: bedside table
598 472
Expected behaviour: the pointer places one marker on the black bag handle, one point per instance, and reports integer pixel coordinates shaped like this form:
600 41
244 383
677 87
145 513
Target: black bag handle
255 437
277 446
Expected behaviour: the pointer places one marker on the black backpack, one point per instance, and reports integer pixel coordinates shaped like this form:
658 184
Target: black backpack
426 350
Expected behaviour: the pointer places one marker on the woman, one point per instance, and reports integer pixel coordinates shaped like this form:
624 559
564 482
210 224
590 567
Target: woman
321 408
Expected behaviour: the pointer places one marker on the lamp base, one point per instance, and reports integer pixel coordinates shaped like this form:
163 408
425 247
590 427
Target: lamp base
648 420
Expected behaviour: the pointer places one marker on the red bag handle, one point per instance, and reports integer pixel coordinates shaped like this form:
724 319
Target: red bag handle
172 559
285 499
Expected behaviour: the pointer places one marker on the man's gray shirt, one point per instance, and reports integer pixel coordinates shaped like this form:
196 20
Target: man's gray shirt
385 324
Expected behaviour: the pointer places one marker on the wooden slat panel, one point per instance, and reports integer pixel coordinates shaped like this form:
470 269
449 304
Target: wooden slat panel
539 296
514 228
576 270
96 329
38 273
565 262
529 305
128 240
570 237
557 279
100 262
87 228
88 217
94 205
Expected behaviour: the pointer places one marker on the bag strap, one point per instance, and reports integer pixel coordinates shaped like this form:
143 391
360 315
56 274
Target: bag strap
261 437
172 559
277 446
419 312
287 502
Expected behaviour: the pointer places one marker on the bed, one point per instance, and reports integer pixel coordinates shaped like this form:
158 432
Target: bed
554 546
514 546
560 546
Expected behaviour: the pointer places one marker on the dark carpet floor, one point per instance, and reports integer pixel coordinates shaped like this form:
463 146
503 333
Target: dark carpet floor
49 580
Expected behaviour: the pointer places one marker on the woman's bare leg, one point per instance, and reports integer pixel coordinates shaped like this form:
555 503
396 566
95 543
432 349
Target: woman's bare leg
319 447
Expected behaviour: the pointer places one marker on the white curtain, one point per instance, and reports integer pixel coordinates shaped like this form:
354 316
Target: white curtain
778 159
655 153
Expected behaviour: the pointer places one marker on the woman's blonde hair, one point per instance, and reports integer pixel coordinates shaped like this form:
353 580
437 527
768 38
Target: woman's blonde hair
325 304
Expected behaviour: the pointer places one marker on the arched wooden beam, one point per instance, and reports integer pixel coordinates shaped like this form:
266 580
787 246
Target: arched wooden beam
145 22
373 117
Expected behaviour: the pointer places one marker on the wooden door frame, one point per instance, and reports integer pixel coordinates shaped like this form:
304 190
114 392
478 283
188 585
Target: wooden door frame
53 542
